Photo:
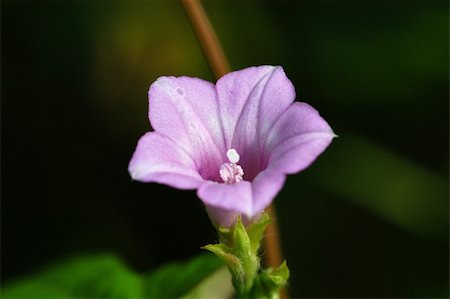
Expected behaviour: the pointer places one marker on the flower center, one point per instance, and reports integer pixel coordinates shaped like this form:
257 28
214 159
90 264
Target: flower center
231 172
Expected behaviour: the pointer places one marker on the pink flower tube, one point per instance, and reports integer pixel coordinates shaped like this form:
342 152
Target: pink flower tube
234 141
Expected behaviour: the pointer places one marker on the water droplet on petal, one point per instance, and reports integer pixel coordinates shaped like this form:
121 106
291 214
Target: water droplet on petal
180 91
193 126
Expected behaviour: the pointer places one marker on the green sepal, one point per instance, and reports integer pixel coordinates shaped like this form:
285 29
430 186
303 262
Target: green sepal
256 231
243 249
241 241
238 248
269 282
226 255
274 280
282 272
236 251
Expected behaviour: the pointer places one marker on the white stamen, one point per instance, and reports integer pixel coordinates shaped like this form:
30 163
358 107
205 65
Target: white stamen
233 155
231 172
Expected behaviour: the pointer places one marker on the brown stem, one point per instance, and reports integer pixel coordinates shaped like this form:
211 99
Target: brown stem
272 245
219 66
207 38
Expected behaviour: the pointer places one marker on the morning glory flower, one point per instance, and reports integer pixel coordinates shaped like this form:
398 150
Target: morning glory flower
234 141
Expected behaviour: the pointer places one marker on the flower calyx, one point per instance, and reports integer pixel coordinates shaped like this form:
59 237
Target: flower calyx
238 248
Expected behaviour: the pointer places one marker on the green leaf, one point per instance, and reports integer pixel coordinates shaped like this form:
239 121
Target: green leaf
105 276
99 276
29 288
217 285
177 280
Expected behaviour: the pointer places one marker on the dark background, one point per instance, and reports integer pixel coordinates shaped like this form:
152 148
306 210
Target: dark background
368 219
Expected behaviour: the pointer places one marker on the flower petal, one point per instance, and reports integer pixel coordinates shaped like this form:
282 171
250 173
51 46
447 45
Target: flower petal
224 218
225 201
250 102
159 159
296 140
231 197
185 110
265 187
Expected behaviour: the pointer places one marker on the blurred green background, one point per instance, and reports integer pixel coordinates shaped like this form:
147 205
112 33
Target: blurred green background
368 219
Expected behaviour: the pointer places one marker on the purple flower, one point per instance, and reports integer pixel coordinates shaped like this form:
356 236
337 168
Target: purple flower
234 142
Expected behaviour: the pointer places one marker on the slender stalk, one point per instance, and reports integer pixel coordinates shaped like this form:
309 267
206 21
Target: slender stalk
207 37
219 65
272 244
272 241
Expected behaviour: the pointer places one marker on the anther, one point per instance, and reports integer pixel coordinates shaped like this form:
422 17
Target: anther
231 172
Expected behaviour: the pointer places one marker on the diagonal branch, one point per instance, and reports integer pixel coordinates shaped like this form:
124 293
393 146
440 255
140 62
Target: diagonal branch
207 37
